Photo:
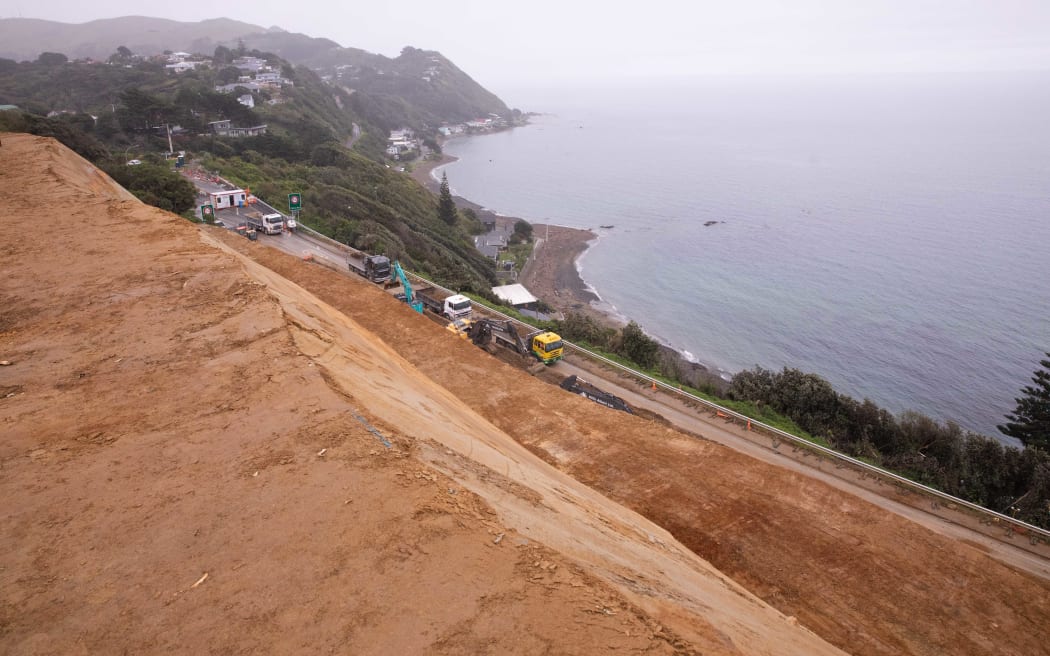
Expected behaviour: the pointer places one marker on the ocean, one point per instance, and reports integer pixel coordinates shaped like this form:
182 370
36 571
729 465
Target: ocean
890 233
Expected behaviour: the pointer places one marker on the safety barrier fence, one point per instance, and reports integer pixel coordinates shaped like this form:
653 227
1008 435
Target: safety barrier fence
1001 525
992 523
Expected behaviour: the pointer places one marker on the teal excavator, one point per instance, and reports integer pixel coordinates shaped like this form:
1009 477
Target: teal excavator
416 305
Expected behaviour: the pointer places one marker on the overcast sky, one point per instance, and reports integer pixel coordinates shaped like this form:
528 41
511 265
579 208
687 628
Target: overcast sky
506 44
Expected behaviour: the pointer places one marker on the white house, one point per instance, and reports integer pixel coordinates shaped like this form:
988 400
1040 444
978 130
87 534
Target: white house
247 100
270 77
182 66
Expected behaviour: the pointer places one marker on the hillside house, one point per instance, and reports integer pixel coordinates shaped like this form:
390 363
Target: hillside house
253 64
225 129
181 67
491 244
230 88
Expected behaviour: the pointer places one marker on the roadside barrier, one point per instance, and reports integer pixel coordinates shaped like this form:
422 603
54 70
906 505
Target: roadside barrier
991 523
999 526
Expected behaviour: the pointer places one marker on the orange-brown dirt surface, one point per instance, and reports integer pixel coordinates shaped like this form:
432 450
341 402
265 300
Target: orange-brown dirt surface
208 446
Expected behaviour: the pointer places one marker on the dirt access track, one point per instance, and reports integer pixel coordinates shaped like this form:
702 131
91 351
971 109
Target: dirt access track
210 446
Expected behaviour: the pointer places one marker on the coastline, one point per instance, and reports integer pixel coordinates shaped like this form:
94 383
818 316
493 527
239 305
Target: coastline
551 274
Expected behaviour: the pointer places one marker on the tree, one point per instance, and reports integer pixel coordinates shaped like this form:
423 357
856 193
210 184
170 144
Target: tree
155 184
223 55
638 346
1030 421
523 230
228 74
446 206
52 58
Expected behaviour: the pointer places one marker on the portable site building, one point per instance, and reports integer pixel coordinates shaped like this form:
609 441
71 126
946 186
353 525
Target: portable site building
232 198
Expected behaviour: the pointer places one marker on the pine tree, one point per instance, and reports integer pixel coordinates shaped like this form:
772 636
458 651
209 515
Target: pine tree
1030 421
446 206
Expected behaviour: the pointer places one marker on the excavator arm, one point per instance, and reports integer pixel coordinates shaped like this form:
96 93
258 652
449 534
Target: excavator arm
407 286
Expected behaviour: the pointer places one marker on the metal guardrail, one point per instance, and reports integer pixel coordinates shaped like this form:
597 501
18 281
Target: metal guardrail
323 238
1019 526
822 450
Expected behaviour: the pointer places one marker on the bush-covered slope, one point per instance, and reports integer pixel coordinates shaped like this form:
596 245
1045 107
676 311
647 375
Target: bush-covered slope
119 111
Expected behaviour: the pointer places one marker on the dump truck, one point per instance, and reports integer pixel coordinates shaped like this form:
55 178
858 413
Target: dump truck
270 224
577 385
456 306
545 346
373 267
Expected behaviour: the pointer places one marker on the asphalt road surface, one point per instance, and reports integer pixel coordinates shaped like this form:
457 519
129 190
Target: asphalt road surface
692 421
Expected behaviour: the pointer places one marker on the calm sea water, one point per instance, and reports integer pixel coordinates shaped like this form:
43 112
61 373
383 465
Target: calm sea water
889 233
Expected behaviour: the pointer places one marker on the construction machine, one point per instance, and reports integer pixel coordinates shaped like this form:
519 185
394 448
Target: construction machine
579 386
460 327
545 346
407 295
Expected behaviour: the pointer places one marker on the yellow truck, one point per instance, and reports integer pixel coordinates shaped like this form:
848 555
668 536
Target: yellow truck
545 346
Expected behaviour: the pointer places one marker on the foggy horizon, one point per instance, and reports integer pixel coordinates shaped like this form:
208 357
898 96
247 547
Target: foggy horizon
548 45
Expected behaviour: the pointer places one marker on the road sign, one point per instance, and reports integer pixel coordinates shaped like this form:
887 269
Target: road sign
295 202
207 213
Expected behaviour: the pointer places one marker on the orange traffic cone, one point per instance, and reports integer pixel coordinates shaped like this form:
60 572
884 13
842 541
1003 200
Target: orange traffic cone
654 385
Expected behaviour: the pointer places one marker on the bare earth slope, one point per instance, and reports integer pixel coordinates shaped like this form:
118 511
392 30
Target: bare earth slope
179 405
864 579
198 455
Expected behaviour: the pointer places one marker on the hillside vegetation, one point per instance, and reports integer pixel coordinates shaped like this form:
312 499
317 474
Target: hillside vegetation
420 89
123 109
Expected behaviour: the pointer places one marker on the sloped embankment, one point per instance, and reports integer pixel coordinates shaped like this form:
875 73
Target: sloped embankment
863 578
199 455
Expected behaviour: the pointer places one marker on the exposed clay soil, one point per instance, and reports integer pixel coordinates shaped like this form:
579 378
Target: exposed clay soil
353 479
199 456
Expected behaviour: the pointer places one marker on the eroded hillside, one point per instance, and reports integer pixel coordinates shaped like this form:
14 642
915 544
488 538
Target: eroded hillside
351 478
199 454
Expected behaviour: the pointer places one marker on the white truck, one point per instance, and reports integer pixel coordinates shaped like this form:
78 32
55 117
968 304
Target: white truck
452 307
270 224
